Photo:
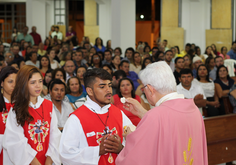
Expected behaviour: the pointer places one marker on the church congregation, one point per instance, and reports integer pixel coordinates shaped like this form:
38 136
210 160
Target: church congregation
72 101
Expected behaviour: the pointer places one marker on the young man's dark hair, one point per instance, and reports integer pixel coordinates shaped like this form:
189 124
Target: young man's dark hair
165 40
85 43
107 51
54 82
155 48
2 58
122 62
119 73
130 49
217 57
90 75
188 44
168 51
107 65
234 42
176 60
31 53
186 71
79 50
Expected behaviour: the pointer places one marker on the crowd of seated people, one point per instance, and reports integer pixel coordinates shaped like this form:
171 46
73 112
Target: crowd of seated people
200 76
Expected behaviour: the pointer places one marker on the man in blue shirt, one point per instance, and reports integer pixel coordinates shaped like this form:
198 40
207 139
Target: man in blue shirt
124 65
232 52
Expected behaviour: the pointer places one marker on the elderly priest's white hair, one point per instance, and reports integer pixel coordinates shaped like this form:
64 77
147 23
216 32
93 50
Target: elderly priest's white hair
160 76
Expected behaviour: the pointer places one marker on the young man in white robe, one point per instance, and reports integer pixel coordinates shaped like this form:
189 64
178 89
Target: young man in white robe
93 133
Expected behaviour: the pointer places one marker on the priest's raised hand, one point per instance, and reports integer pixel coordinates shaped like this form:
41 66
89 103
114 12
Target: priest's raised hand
134 107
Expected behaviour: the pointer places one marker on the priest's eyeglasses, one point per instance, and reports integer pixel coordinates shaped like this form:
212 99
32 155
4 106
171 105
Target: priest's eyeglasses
142 89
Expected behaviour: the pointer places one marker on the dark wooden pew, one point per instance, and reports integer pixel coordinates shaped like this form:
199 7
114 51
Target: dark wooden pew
221 138
227 106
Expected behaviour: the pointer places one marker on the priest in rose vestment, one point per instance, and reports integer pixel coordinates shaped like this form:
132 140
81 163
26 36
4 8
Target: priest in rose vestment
172 133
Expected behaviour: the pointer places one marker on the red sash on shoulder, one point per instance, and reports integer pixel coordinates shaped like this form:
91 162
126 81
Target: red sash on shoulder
94 128
134 119
3 119
37 131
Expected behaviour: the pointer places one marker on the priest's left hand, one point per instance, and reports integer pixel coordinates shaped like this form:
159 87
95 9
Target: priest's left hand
113 144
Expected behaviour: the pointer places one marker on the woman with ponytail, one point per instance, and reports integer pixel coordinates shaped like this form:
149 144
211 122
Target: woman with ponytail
7 81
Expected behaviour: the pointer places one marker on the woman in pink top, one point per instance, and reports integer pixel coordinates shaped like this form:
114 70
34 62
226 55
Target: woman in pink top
126 89
223 53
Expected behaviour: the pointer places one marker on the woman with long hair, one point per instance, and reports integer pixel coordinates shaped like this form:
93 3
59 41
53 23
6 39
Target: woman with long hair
80 74
31 135
126 89
65 57
210 63
208 87
214 49
15 33
159 56
7 81
209 52
118 51
177 50
96 62
224 54
99 45
136 65
75 92
47 43
92 50
46 81
108 44
54 64
146 61
41 50
188 62
223 83
52 30
44 65
108 68
27 53
115 63
147 49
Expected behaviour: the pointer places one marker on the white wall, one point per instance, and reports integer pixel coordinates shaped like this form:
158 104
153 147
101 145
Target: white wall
49 16
104 20
195 20
36 16
123 24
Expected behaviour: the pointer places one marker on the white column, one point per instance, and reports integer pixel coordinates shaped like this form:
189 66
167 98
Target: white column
36 16
195 20
49 16
104 19
123 24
